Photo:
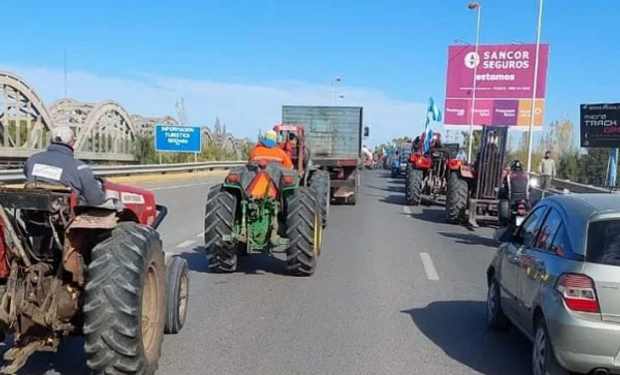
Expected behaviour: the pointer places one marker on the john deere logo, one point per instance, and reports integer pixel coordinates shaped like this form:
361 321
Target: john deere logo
472 59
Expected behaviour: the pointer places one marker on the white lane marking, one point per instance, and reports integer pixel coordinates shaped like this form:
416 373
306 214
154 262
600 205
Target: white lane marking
200 234
407 210
185 243
429 267
180 186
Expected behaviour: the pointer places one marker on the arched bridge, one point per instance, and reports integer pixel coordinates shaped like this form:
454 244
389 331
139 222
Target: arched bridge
105 131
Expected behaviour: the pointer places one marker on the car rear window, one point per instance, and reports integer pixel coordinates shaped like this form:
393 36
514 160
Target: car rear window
604 242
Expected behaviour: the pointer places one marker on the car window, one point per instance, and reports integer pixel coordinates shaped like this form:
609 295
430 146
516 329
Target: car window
530 226
559 246
604 242
548 230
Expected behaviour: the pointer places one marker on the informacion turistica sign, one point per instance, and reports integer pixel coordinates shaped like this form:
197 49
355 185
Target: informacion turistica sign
173 138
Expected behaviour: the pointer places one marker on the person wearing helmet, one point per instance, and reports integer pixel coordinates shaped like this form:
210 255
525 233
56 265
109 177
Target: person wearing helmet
58 166
516 183
266 150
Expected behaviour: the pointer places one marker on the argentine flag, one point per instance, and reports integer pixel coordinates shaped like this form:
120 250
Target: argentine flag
433 113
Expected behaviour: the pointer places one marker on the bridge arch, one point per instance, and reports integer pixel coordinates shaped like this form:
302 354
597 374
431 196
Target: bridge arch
24 120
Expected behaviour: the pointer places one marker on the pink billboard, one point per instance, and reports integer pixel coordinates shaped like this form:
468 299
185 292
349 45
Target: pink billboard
504 77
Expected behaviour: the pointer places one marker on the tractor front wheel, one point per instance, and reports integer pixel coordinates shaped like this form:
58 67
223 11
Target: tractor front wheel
413 189
124 306
456 198
304 232
219 221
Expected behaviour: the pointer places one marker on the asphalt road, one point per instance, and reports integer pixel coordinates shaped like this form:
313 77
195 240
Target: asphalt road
396 291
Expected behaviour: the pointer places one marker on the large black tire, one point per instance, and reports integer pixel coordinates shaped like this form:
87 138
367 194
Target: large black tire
177 294
124 305
304 232
456 198
319 181
503 212
543 356
219 221
413 189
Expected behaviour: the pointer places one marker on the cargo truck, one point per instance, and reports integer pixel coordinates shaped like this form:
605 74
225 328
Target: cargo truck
334 138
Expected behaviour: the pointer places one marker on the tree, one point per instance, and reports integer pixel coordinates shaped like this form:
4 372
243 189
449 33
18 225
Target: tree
477 142
594 165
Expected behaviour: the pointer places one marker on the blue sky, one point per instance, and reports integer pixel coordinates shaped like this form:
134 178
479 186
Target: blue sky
242 59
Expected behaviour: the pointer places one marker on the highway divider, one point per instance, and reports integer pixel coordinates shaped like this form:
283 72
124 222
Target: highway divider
17 175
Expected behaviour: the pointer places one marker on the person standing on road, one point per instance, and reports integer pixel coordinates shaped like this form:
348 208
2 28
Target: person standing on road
57 165
546 168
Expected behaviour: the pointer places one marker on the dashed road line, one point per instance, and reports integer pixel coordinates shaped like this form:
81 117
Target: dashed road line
200 234
429 267
185 243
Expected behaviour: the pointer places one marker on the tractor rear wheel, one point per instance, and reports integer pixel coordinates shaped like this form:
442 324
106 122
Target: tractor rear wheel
319 181
304 232
219 221
456 198
124 306
413 189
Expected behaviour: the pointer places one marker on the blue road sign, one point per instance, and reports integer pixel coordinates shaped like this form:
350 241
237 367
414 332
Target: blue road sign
172 138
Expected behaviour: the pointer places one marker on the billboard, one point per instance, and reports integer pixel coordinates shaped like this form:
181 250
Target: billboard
600 125
172 138
504 84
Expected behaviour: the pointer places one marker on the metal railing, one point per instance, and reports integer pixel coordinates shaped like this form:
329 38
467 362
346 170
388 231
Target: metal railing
17 175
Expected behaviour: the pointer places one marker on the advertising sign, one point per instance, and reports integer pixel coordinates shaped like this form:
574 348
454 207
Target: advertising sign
600 125
171 138
504 84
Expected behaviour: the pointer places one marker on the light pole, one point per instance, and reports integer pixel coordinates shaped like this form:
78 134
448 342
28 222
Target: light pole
535 88
477 7
334 81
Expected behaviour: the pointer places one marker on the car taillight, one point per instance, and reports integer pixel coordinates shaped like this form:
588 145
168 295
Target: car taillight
579 292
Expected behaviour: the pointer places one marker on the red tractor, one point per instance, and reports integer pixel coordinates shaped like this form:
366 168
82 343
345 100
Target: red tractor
96 272
292 139
427 171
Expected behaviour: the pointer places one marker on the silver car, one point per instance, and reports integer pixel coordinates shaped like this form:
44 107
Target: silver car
557 279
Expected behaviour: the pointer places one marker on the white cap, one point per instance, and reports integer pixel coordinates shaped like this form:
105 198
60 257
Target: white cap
62 134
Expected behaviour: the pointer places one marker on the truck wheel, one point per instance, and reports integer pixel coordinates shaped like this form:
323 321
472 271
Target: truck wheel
177 294
319 181
413 189
219 221
503 212
304 232
124 304
456 198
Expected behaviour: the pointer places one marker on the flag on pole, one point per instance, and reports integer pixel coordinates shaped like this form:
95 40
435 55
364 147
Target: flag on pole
433 113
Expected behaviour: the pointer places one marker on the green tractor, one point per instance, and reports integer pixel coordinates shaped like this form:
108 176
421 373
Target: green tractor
262 208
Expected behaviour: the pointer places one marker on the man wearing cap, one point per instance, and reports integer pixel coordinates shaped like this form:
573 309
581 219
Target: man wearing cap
57 165
266 150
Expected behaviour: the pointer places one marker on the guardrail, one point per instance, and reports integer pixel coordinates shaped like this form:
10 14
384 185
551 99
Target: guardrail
17 175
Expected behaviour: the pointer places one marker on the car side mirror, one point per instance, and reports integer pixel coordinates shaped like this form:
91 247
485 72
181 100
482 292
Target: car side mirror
366 132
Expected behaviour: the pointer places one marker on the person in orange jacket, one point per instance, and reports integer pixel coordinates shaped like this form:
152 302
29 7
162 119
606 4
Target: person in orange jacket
266 150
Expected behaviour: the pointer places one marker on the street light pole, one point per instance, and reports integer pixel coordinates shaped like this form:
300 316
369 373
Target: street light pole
535 88
476 6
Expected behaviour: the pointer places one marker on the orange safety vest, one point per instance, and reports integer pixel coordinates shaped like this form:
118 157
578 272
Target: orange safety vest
275 154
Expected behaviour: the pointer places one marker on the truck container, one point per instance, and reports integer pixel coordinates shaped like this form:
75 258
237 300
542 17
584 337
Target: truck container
334 136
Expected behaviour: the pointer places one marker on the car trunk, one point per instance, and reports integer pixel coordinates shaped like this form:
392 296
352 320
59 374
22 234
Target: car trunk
607 281
603 266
